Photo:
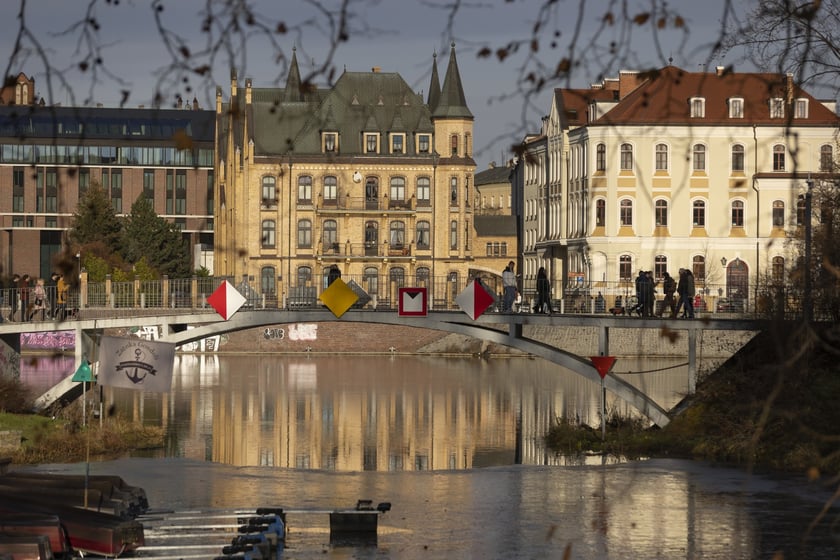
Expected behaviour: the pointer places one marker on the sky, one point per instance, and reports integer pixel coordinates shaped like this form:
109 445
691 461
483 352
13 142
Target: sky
396 35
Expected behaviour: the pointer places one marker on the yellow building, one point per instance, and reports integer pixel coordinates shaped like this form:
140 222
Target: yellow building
365 175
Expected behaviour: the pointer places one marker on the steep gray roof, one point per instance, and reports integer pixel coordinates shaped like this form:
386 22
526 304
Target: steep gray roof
494 225
453 102
493 176
434 85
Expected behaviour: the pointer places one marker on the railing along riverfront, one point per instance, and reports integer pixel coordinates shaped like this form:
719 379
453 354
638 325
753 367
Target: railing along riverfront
381 292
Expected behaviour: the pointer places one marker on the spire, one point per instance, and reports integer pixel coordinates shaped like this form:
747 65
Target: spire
434 85
293 80
453 102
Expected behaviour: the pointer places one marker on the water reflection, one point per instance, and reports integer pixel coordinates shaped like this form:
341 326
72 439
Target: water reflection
373 413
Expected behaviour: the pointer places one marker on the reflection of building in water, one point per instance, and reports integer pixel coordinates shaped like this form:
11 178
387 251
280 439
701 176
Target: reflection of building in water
372 412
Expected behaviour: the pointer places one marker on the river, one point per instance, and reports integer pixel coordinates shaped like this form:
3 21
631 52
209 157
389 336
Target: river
456 446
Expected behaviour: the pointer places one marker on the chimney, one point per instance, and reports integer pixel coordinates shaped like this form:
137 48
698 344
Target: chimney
719 70
789 87
376 69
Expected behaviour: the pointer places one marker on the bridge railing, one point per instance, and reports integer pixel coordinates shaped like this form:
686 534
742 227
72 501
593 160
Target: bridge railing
110 299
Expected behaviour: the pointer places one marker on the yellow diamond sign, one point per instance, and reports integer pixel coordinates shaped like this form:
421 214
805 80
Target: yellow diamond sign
339 297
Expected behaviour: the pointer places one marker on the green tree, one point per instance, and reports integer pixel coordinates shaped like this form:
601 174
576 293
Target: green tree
96 221
151 239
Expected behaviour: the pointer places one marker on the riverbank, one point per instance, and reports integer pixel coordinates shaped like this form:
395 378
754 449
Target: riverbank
772 405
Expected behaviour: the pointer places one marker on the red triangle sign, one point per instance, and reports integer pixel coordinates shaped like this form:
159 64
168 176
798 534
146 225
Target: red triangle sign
603 364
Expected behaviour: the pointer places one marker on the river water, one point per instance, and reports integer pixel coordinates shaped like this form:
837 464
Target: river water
456 446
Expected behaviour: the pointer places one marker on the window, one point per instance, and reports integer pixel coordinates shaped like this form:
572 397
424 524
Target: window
778 270
397 276
149 185
601 157
269 190
738 158
304 234
777 108
453 144
600 212
116 190
698 107
453 191
423 143
626 157
737 214
304 275
778 214
423 234
778 157
397 189
330 236
397 237
661 157
267 276
370 279
736 108
305 189
453 235
660 267
826 158
397 143
180 191
698 267
211 182
423 274
699 157
371 235
800 109
626 212
661 213
330 141
18 190
625 268
269 232
371 141
330 189
84 181
423 191
698 213
800 211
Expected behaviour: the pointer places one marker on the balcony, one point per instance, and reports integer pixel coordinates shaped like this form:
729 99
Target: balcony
344 204
366 249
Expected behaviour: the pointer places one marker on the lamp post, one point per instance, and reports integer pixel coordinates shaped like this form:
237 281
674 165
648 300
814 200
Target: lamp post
808 300
85 375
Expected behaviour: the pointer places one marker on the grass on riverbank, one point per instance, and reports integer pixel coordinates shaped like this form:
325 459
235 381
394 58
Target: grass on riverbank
773 405
63 439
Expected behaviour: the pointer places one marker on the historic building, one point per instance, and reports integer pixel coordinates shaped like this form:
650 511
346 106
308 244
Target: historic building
495 225
49 155
365 175
672 169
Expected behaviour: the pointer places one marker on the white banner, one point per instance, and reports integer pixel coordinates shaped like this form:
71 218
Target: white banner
135 363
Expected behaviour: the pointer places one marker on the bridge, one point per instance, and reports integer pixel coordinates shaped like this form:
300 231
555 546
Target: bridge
501 328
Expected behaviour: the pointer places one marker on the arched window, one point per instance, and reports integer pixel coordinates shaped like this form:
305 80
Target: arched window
826 157
453 191
699 157
304 275
423 234
698 213
267 280
453 235
625 268
423 191
600 212
737 158
330 189
626 212
397 276
626 157
304 234
269 232
778 270
423 275
601 157
370 279
269 190
778 213
800 212
398 189
330 237
737 213
371 193
661 213
660 267
778 157
453 144
698 267
305 189
397 237
662 157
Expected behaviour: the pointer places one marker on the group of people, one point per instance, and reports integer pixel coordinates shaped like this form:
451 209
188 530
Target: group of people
679 294
35 299
511 295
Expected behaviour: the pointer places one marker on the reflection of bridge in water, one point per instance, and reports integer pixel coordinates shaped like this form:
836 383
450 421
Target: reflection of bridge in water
183 326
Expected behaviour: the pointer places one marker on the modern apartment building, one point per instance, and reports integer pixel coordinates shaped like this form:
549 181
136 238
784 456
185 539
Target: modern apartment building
49 155
365 175
673 169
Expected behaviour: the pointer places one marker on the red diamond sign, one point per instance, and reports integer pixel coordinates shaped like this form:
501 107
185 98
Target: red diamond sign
474 300
226 300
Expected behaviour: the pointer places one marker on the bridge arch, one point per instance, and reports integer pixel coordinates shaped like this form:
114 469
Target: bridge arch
447 322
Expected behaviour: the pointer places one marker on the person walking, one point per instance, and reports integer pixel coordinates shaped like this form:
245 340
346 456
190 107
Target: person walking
333 274
650 294
25 286
39 300
543 293
669 286
508 287
61 289
640 294
13 296
690 293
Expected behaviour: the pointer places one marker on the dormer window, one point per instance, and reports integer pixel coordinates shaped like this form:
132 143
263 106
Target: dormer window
777 108
398 143
330 142
424 141
800 109
698 107
736 108
371 143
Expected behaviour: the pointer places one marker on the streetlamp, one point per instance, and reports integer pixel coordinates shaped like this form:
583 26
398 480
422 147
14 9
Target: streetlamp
808 301
85 375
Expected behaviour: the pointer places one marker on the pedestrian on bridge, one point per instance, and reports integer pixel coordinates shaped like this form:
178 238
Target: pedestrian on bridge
669 286
39 300
508 287
25 287
543 293
61 289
